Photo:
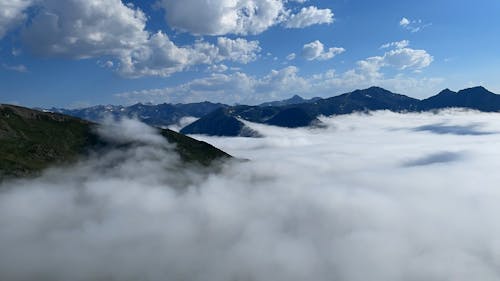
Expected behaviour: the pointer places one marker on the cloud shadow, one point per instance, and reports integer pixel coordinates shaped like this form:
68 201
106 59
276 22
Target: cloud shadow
435 158
461 130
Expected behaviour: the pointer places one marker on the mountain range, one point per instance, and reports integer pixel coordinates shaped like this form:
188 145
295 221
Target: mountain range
155 115
224 120
305 114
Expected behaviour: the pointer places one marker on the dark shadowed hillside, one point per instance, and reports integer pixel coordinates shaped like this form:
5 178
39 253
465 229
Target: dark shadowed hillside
302 114
221 122
32 140
474 98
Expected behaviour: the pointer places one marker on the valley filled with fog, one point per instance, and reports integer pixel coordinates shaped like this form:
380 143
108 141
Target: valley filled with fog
379 196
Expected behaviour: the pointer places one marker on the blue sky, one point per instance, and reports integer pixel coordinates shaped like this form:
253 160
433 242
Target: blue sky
78 53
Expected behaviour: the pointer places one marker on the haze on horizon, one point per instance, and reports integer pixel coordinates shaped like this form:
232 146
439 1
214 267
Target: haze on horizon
78 53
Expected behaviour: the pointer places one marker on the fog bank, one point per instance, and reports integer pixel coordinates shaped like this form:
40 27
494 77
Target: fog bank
384 196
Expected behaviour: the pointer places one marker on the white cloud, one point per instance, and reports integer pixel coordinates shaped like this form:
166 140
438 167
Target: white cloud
399 44
279 84
116 32
12 14
413 25
83 29
239 50
218 68
227 88
404 58
401 57
314 203
220 17
158 56
309 16
404 22
17 68
291 56
316 51
161 57
109 64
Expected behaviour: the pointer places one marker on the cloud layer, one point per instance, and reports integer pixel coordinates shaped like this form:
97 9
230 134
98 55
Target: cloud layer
368 197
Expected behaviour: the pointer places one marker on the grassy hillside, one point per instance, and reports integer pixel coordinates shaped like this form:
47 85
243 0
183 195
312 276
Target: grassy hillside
32 140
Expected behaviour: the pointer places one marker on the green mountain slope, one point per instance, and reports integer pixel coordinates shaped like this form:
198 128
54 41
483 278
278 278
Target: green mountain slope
32 140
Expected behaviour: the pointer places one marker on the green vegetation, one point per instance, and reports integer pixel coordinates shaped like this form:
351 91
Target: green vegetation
192 150
31 140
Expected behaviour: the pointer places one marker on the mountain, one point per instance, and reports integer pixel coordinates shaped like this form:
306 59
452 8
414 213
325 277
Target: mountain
292 117
374 98
302 114
31 140
155 115
296 99
224 120
477 98
221 122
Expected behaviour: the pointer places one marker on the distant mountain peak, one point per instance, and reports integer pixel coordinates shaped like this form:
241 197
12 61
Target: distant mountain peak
477 89
377 88
478 98
447 91
372 92
296 97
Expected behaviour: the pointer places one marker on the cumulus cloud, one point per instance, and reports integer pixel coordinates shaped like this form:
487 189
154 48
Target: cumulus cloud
239 49
309 16
242 17
222 17
227 88
160 56
240 87
401 57
82 29
218 68
85 29
316 51
116 32
313 203
12 14
404 22
404 58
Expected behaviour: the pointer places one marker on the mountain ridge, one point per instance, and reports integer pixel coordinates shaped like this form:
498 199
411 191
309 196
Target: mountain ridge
32 140
224 120
361 100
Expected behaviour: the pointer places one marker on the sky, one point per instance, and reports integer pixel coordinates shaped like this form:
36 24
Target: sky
79 53
380 196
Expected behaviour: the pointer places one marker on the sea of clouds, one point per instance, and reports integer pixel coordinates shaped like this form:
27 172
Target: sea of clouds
380 196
